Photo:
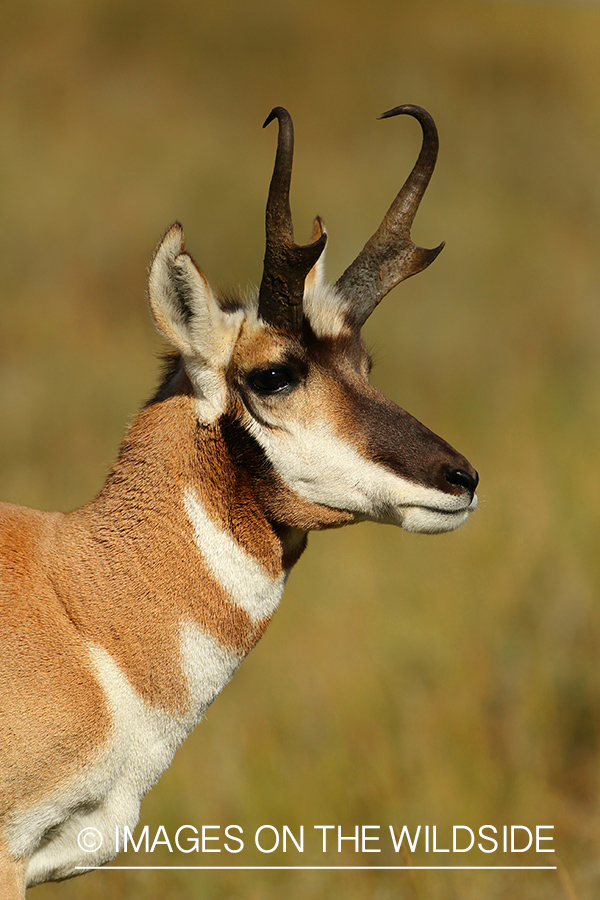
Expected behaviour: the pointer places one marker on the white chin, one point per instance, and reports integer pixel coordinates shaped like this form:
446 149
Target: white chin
426 520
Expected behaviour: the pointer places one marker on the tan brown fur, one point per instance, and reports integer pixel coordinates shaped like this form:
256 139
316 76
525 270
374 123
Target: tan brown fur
12 874
142 544
43 665
122 573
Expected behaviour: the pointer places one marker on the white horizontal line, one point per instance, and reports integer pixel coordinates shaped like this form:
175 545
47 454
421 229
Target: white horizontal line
318 868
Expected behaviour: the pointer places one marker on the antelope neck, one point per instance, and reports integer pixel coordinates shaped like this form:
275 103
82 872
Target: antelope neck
175 538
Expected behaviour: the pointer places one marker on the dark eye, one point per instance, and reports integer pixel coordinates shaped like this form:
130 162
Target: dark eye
271 381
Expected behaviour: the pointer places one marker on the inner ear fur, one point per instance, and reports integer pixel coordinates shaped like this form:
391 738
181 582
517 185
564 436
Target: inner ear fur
184 308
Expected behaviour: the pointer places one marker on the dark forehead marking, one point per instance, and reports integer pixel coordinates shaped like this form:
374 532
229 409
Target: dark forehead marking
348 347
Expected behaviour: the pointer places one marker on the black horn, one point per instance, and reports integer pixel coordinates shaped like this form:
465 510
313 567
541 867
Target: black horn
286 264
390 256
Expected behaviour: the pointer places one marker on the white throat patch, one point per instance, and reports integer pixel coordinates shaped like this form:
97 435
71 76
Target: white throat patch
323 468
238 573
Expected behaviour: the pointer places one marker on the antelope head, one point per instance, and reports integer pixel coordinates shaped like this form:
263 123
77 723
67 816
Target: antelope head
284 376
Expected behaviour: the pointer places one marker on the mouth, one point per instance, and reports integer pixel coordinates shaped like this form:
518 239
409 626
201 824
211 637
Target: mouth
435 520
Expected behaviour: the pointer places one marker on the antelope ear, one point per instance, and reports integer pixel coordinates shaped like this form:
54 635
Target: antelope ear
183 306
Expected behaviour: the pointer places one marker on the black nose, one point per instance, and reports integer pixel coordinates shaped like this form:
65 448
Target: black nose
462 478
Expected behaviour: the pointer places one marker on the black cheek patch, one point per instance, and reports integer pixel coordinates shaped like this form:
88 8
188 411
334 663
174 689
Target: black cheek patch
244 449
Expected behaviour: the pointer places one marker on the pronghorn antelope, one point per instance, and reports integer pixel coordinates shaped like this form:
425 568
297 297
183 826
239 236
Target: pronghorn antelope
121 621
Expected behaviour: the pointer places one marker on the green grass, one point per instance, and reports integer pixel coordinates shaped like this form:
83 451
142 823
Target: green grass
405 679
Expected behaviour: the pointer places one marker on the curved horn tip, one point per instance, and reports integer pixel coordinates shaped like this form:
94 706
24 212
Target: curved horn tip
277 112
407 109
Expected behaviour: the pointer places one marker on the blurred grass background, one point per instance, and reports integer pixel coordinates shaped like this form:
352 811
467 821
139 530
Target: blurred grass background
405 679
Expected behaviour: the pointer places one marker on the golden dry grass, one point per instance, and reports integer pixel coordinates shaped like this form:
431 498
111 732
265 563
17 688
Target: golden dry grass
405 679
